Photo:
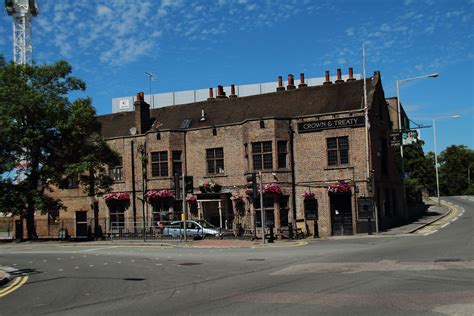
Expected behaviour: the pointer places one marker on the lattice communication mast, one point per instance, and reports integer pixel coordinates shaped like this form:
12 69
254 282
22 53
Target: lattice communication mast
22 11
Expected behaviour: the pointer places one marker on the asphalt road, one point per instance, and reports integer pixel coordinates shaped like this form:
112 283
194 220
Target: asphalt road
428 273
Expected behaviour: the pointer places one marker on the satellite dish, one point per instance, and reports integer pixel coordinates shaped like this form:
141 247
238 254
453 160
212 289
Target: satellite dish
133 131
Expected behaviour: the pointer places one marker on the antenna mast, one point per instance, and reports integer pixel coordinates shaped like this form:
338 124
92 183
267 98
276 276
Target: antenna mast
22 12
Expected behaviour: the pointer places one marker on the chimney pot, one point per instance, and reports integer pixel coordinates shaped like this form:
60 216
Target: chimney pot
280 84
302 84
232 91
339 76
220 92
211 94
327 76
351 75
291 82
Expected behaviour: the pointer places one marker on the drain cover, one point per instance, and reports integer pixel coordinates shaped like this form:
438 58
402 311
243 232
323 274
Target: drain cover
255 259
188 264
448 260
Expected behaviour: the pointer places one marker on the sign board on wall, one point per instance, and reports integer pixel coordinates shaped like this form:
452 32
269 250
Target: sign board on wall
365 208
317 126
311 209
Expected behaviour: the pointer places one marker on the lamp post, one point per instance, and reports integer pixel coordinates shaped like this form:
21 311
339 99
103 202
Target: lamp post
399 82
435 154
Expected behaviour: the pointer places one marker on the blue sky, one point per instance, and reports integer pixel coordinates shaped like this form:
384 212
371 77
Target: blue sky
200 44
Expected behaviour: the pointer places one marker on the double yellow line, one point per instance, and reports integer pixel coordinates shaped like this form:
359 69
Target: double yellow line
17 283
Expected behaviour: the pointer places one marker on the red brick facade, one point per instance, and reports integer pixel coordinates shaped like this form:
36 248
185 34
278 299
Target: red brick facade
235 124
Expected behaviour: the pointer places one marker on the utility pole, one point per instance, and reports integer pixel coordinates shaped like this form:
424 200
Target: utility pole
262 211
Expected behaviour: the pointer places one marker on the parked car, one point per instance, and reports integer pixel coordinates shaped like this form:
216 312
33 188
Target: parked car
194 228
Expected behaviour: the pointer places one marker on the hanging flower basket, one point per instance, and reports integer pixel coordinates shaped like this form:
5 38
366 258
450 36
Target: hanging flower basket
191 199
308 195
117 199
210 187
154 195
340 187
272 188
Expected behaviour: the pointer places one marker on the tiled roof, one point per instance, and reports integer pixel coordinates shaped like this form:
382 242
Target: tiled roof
315 100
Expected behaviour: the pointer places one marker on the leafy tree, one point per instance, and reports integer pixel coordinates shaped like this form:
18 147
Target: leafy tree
42 132
453 170
420 170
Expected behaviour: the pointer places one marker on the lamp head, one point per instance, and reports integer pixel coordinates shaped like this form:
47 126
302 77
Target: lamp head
433 75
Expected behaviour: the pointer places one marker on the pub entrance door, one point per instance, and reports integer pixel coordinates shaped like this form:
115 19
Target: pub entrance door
341 214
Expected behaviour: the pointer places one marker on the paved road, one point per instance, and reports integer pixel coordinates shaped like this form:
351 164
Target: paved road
428 273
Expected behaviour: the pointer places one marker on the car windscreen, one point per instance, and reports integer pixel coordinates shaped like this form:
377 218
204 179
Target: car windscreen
205 224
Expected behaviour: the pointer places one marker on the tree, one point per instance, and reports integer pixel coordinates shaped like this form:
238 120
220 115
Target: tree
93 177
420 170
42 134
453 170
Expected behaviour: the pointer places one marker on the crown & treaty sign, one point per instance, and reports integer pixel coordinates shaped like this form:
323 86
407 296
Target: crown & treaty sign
316 126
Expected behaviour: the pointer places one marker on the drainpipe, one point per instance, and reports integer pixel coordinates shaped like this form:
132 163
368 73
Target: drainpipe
291 132
134 205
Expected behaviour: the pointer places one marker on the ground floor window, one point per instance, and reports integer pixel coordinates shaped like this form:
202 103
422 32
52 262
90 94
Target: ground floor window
161 210
268 206
117 216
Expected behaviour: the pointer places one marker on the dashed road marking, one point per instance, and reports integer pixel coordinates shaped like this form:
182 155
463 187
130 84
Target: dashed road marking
443 226
427 234
91 265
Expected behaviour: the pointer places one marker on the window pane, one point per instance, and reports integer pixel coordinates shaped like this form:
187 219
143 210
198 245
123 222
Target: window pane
257 162
164 169
210 167
155 172
332 157
282 160
344 155
343 143
267 161
220 166
282 146
176 155
177 168
163 155
332 143
154 156
219 152
256 147
267 147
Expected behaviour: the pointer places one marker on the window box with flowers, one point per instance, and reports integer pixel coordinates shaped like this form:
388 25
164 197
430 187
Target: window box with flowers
156 195
210 187
340 187
117 199
310 205
161 203
272 188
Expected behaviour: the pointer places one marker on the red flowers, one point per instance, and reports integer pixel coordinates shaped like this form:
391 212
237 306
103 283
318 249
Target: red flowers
118 196
159 194
340 187
272 188
308 195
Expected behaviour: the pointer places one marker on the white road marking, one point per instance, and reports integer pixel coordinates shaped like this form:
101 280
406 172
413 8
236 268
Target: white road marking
14 264
60 269
455 219
30 262
91 265
443 226
427 234
105 263
45 260
119 262
132 260
159 264
59 258
76 267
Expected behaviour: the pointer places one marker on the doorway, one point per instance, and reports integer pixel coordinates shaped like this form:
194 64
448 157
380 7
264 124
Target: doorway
19 229
341 214
81 224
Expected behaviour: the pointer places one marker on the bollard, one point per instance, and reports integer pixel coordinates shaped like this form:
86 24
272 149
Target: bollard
369 226
315 229
290 230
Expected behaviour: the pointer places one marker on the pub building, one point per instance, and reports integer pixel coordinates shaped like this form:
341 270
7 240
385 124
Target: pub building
321 162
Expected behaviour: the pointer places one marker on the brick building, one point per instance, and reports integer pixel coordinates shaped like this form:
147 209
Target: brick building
310 144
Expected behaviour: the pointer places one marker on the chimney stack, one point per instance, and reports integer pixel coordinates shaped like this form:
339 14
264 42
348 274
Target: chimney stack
339 76
291 82
142 114
220 92
232 92
328 79
351 75
280 84
302 84
211 94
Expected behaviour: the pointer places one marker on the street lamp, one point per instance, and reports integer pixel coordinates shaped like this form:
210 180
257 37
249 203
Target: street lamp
435 154
399 82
